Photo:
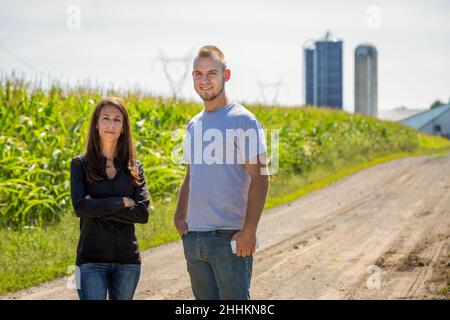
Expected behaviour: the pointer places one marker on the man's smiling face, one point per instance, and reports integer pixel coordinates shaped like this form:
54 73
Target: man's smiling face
209 77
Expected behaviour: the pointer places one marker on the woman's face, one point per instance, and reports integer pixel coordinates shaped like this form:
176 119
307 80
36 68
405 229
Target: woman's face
110 124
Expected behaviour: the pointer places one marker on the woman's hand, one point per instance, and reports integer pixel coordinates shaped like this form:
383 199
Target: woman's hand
128 202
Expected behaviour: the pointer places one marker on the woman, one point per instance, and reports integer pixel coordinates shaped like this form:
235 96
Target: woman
109 194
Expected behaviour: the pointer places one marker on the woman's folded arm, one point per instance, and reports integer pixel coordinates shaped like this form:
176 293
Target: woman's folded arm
138 213
87 207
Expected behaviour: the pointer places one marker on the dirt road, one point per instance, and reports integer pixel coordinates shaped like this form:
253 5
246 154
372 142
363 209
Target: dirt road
382 233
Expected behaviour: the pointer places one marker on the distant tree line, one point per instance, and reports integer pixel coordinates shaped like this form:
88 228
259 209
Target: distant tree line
438 103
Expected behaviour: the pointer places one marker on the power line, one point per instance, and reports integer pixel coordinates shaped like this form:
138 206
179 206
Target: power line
15 56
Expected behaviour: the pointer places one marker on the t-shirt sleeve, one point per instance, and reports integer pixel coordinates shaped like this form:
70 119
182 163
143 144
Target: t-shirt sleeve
251 141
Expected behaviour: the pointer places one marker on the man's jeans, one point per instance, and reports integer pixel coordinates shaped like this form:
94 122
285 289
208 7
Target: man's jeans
216 272
98 279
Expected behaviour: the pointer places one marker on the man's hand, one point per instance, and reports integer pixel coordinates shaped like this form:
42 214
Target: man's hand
245 243
181 226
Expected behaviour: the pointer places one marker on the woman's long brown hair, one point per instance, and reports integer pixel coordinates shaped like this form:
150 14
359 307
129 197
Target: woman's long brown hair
93 158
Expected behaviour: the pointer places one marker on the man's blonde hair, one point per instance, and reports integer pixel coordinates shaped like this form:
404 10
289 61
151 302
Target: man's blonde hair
211 51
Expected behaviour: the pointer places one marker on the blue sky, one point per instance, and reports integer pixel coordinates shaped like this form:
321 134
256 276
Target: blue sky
117 43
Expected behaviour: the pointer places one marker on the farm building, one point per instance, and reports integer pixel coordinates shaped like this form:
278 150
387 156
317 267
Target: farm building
435 121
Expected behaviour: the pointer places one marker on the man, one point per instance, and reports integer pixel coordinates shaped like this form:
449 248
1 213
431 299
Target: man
223 193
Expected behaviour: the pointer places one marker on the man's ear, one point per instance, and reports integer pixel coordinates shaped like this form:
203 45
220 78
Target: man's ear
227 74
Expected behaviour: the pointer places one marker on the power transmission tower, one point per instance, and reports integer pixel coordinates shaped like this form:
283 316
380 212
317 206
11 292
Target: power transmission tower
270 91
175 69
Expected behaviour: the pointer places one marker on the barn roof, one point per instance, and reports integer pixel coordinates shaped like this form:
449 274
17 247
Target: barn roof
419 120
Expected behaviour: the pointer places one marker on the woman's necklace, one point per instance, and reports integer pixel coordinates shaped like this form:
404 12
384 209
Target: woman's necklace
109 159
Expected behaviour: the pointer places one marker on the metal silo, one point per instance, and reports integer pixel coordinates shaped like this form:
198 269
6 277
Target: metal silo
366 86
328 72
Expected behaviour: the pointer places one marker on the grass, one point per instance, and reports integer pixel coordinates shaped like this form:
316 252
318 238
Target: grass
297 186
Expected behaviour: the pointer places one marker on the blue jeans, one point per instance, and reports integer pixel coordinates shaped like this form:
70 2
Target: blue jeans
215 272
119 281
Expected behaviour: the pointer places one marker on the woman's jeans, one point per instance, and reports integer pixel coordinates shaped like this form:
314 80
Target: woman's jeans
119 281
215 272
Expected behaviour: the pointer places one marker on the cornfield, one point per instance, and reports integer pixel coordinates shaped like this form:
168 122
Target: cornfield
41 130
